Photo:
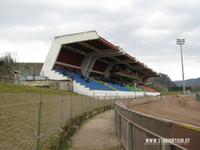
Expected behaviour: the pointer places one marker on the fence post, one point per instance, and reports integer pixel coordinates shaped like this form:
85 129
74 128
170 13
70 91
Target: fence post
110 103
130 136
61 111
91 106
116 121
39 123
93 94
82 110
105 102
71 107
119 125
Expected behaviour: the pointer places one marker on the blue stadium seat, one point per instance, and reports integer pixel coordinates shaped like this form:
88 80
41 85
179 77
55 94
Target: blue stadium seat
91 84
118 87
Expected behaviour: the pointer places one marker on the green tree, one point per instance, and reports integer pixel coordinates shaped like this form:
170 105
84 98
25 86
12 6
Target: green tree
7 63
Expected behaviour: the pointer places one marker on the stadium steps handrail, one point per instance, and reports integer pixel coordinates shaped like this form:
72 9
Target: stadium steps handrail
134 89
130 88
107 85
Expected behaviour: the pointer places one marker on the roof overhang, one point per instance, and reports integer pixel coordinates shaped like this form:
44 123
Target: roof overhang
90 43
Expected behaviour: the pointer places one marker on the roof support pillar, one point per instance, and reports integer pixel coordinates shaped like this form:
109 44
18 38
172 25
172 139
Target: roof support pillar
87 65
89 60
109 68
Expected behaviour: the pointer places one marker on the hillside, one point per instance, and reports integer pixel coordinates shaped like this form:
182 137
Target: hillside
163 82
189 82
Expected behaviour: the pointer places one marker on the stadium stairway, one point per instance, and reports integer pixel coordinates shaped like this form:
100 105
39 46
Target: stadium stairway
118 87
91 84
55 75
107 85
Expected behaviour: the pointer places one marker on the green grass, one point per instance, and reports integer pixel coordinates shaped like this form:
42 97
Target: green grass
19 113
172 93
11 88
66 144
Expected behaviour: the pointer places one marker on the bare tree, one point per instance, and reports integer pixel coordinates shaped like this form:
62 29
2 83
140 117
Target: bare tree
7 63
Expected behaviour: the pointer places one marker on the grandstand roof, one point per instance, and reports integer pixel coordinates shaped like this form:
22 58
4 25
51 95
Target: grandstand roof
89 52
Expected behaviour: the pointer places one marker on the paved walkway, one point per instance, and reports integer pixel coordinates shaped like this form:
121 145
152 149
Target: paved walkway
97 133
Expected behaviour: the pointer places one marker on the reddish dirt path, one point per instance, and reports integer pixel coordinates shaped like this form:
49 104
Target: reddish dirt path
181 109
97 134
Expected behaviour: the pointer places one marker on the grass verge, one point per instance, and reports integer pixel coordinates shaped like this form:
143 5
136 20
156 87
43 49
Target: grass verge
11 88
75 123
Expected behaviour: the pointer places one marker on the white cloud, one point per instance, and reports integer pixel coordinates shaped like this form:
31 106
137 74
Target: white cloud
33 51
146 29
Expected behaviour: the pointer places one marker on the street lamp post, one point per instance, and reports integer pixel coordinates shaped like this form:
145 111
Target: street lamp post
181 42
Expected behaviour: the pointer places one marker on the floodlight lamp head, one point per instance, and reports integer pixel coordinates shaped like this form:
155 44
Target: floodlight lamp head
182 41
178 41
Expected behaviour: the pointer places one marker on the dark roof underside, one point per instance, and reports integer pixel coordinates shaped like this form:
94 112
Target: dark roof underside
100 45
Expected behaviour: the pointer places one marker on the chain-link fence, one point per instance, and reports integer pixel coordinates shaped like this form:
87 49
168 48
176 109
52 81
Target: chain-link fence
27 121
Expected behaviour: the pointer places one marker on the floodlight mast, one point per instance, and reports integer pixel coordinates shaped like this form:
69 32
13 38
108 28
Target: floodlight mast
181 42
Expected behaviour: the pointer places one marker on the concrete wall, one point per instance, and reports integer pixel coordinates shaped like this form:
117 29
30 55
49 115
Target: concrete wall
64 85
100 94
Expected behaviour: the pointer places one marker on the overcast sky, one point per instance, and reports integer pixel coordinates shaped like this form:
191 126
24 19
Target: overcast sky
146 29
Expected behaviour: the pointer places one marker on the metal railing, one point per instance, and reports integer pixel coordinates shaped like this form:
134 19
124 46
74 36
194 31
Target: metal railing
198 96
136 129
28 120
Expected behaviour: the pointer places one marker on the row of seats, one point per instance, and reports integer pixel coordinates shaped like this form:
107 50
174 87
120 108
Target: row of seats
95 85
92 84
147 88
118 87
89 83
132 88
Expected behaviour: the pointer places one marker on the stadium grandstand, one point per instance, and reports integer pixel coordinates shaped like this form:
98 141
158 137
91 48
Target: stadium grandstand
97 67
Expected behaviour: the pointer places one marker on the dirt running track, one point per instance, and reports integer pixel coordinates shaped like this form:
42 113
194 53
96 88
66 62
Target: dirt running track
97 134
181 109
